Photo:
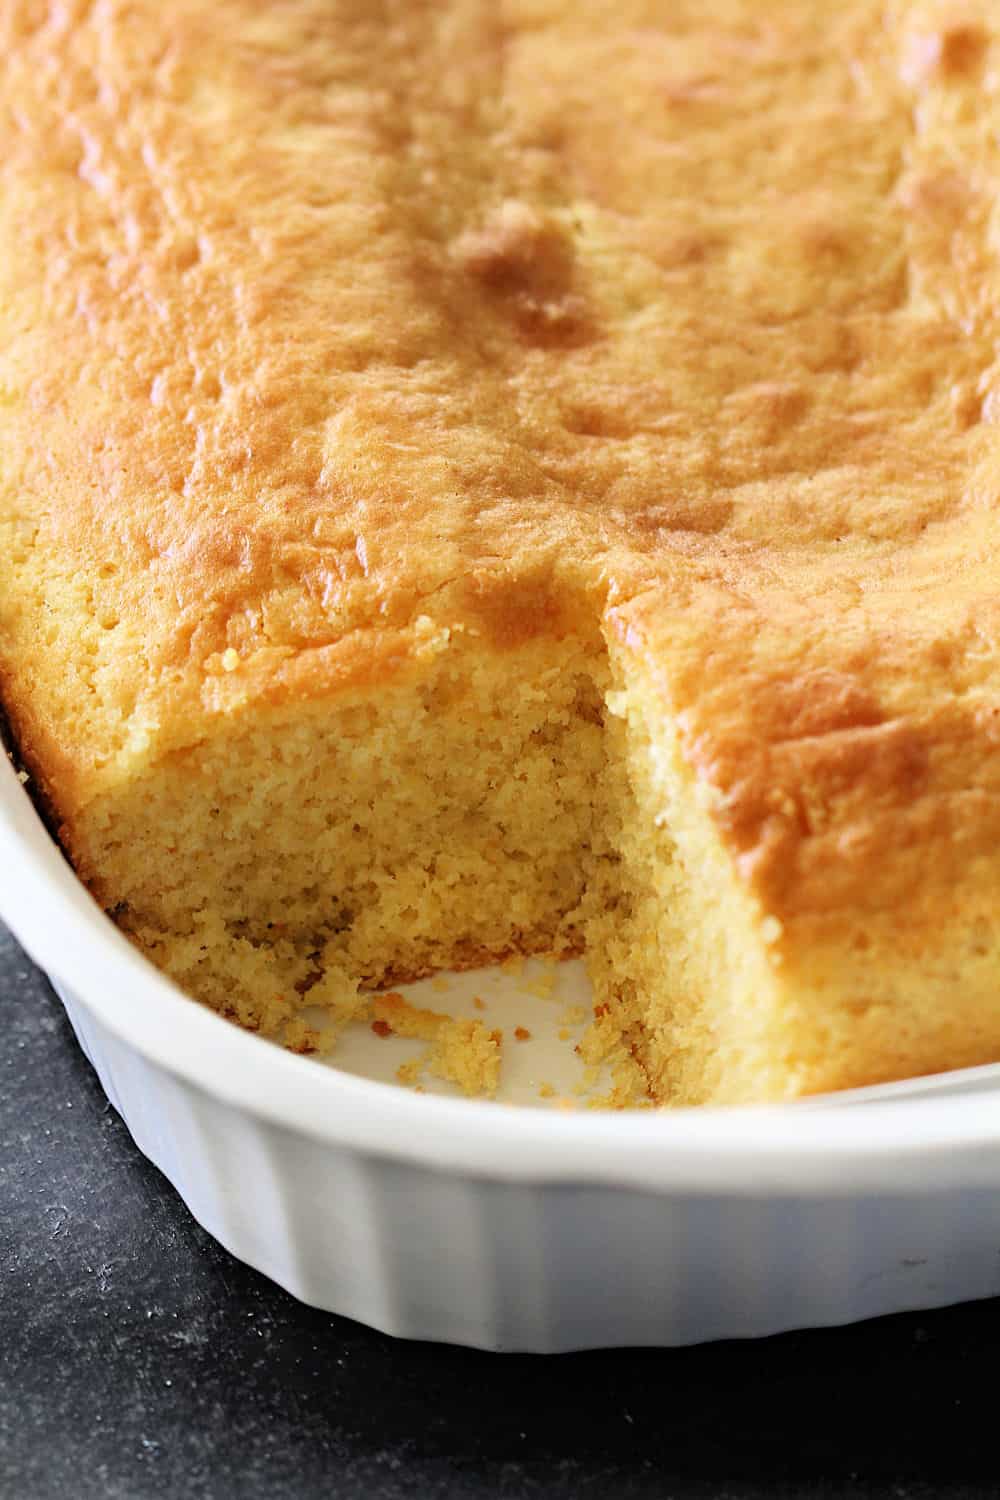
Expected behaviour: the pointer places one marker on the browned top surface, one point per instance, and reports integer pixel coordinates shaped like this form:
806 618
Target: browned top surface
317 318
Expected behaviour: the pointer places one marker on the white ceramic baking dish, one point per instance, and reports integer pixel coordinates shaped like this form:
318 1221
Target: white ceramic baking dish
505 1228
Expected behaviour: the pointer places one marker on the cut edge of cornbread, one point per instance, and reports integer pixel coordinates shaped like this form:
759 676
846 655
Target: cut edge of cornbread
308 852
483 803
487 804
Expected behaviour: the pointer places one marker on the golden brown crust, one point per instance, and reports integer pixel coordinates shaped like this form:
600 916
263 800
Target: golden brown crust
325 330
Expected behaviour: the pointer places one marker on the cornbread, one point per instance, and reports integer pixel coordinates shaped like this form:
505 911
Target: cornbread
485 478
461 1051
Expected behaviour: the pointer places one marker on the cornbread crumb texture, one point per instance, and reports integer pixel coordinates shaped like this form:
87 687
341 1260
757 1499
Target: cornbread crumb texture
532 1046
496 479
461 1051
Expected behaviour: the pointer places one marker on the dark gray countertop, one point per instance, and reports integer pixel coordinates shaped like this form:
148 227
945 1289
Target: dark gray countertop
138 1359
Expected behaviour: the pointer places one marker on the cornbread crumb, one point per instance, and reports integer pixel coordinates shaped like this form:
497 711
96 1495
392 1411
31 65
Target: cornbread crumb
546 1090
478 1002
403 1019
301 1038
462 1051
522 1033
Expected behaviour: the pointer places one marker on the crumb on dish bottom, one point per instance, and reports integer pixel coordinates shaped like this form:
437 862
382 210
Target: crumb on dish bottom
461 1051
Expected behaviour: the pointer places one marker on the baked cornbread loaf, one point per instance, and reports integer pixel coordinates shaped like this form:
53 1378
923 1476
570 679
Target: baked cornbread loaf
490 477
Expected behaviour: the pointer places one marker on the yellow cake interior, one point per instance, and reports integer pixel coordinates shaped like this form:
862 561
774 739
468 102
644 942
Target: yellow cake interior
489 803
